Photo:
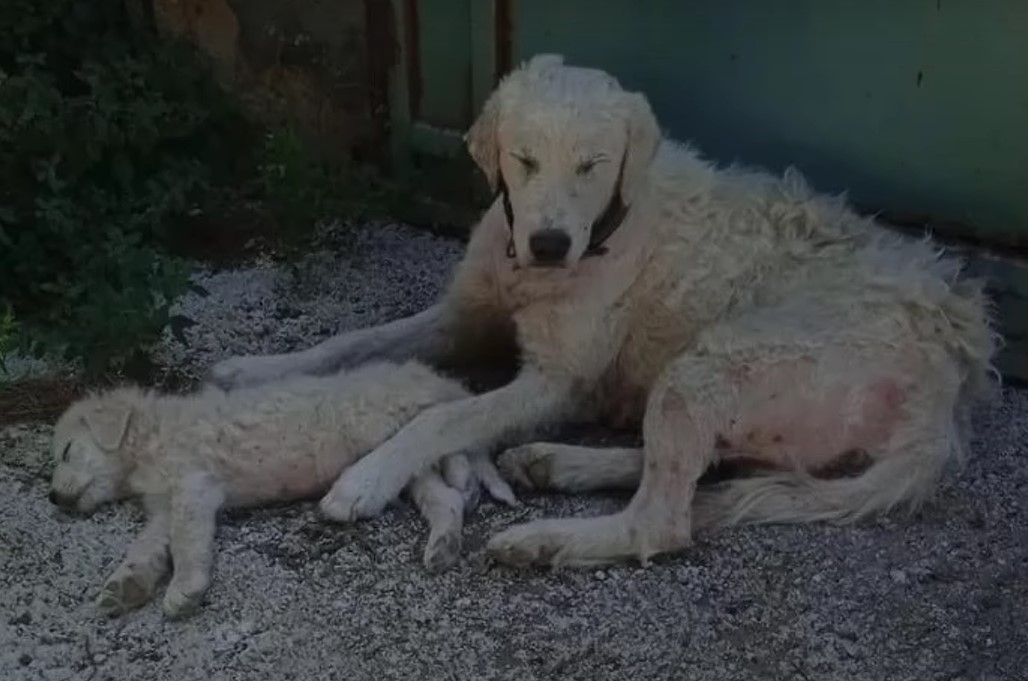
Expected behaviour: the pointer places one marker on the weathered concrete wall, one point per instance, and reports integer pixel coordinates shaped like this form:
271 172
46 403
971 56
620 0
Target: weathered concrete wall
301 63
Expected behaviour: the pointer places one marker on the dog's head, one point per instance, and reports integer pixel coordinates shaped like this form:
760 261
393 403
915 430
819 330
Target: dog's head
89 466
567 150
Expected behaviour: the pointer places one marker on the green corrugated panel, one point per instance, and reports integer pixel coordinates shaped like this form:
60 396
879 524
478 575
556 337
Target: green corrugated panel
910 105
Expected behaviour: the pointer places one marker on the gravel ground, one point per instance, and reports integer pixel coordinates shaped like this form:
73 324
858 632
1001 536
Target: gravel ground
942 596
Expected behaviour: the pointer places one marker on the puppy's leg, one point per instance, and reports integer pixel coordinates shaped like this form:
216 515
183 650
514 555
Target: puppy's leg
570 468
457 473
442 507
365 488
468 474
133 582
489 477
194 510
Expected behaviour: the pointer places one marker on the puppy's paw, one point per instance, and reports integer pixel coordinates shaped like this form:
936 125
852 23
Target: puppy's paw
442 551
183 597
123 592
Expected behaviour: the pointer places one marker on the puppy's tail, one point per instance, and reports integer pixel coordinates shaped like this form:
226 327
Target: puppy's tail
903 479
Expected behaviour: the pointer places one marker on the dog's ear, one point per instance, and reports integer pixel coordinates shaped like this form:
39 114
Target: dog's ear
483 140
644 137
108 424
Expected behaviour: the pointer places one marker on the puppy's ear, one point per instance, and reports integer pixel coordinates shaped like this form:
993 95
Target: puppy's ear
483 140
644 137
107 424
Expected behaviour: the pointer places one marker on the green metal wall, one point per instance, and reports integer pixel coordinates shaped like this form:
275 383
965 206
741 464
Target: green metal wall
916 107
910 105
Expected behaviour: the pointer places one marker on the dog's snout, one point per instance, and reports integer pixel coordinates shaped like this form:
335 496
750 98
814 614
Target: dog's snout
55 499
549 245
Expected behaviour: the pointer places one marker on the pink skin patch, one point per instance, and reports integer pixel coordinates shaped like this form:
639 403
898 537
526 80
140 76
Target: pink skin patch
810 429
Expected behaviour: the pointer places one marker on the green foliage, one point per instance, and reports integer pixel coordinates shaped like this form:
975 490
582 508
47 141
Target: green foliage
104 133
8 332
301 189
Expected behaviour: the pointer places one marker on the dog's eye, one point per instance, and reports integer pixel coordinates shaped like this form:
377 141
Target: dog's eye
64 454
529 164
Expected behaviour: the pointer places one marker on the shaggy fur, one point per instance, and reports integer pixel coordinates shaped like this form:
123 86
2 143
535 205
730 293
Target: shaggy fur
189 456
734 313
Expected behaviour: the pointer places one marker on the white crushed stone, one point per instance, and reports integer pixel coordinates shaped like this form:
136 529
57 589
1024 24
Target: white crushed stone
942 595
392 271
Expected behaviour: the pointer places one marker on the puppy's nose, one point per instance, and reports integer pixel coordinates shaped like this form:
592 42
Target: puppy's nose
61 500
549 245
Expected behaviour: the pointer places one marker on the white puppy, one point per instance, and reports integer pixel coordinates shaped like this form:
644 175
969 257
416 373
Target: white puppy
188 456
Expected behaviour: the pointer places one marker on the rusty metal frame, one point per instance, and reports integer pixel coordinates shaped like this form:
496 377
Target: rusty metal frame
396 80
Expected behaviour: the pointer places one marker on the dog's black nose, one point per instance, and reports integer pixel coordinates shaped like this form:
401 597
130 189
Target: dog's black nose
54 499
549 245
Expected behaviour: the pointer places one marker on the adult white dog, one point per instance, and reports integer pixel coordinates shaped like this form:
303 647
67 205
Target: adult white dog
734 312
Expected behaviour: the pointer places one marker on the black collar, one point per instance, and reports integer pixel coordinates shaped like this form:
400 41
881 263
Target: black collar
608 222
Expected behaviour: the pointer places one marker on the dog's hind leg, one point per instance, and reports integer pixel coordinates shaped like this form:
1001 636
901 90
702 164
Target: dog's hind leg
146 562
690 405
571 468
194 510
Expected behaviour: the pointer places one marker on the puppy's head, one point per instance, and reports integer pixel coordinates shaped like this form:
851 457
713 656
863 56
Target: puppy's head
567 150
87 448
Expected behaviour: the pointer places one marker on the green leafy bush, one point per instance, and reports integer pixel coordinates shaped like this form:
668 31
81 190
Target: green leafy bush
104 134
8 331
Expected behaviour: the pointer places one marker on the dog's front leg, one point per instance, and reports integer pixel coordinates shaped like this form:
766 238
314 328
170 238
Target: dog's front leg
422 335
521 406
133 582
194 510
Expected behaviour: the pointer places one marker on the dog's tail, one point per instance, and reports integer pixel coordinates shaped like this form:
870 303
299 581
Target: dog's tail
904 479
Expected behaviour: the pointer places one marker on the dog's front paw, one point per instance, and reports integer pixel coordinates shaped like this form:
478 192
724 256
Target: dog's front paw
124 592
183 597
359 493
246 370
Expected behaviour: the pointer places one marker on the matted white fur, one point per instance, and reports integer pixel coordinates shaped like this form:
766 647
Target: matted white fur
188 456
732 313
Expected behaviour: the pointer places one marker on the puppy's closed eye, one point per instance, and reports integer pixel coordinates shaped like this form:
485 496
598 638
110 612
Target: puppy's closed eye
64 453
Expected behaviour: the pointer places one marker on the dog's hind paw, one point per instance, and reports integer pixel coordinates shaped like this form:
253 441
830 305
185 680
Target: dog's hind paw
528 466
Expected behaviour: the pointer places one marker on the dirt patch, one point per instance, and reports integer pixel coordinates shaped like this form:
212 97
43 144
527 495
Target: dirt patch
37 399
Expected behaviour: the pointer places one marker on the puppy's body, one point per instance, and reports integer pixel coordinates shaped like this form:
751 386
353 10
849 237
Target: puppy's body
188 456
284 443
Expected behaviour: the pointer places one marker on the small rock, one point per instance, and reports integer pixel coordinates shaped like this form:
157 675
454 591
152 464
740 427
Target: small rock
24 659
23 618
